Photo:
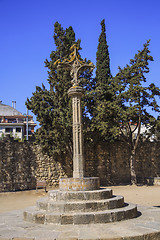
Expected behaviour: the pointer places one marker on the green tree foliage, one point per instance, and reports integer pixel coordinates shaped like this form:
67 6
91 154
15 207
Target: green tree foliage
103 72
157 129
135 103
53 107
103 92
112 106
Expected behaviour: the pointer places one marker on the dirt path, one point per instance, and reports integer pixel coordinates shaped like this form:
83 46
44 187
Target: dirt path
18 200
143 195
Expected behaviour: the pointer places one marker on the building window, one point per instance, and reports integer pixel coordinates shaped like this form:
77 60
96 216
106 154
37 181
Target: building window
1 129
12 120
18 130
8 130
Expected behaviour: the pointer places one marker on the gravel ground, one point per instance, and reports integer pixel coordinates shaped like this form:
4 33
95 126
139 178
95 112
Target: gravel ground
141 195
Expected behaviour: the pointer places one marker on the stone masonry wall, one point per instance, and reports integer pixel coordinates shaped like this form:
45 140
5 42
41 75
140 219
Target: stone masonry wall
110 161
22 164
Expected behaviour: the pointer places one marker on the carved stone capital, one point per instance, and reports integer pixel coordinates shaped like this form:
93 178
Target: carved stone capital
76 91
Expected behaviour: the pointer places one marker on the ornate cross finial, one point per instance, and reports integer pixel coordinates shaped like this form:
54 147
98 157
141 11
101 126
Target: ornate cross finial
75 64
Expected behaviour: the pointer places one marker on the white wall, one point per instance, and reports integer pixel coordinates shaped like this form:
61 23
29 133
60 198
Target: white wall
14 133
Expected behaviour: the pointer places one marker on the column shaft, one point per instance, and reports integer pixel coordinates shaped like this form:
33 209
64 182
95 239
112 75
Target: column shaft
78 156
78 161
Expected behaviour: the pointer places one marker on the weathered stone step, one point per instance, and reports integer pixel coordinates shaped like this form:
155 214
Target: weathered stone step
80 206
127 212
102 193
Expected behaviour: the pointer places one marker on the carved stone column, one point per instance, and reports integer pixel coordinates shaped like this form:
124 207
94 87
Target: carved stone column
76 92
76 65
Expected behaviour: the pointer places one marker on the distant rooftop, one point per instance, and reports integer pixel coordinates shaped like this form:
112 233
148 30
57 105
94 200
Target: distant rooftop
6 110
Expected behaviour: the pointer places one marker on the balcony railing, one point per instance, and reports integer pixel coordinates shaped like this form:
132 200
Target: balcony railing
20 120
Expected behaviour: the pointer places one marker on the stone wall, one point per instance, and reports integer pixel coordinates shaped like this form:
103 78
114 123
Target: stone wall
22 164
110 161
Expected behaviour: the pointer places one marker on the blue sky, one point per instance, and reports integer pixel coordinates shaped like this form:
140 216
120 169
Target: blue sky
26 28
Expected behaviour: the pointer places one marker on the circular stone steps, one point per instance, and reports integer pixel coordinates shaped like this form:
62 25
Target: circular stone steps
80 206
102 193
118 214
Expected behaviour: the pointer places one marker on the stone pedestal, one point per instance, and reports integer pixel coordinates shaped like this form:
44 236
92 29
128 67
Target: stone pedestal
80 207
79 184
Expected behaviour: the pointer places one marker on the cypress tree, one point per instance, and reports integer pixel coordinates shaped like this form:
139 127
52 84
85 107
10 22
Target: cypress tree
103 93
103 73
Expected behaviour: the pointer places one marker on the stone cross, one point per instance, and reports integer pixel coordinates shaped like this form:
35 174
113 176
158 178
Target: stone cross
76 67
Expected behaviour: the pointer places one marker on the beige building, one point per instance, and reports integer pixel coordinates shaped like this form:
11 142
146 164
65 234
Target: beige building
14 123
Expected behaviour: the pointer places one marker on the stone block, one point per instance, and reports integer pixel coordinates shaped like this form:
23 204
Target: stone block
119 215
52 195
28 216
40 218
74 207
91 206
83 218
102 217
79 184
56 207
66 219
131 212
42 204
113 216
101 206
134 237
112 204
93 196
61 196
106 194
80 195
152 236
53 218
75 196
120 202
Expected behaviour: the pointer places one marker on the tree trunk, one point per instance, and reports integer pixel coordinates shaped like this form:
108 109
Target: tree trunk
132 168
